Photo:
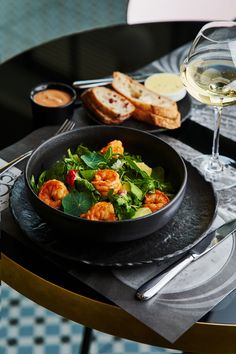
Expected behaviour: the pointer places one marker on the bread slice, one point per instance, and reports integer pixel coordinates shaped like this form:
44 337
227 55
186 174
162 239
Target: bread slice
143 98
155 119
107 105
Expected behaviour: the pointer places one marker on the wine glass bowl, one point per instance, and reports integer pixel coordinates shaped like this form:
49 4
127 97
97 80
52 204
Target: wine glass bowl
209 75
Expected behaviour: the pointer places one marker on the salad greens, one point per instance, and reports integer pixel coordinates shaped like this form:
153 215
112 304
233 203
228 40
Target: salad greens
77 170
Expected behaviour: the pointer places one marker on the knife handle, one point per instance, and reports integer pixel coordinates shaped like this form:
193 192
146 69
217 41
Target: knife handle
154 285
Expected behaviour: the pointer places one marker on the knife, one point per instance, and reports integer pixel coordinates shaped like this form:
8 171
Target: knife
83 84
214 238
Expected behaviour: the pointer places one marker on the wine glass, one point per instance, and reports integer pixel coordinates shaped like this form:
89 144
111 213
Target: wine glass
209 75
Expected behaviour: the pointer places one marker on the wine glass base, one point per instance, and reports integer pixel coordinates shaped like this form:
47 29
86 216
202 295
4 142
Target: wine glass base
222 176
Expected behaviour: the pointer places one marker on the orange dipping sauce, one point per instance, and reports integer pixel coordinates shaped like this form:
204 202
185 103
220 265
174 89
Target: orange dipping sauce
52 98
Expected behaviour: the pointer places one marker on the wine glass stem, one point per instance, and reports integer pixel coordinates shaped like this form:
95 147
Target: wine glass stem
214 164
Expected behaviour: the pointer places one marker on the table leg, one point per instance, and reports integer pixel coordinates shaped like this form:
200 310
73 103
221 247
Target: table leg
86 341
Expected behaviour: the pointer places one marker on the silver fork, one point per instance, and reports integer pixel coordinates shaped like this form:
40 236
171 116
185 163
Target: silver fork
66 126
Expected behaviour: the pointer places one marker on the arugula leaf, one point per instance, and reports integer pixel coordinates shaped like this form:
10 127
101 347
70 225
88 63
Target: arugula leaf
136 158
93 160
77 203
134 167
108 153
33 184
71 161
42 179
123 206
149 185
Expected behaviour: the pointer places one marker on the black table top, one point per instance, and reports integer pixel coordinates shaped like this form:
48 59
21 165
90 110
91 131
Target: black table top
39 65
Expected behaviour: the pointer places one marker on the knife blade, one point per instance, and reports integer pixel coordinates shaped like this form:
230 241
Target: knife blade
83 84
214 238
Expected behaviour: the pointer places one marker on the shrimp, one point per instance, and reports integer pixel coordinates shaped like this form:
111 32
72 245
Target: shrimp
116 146
105 180
101 211
156 200
52 192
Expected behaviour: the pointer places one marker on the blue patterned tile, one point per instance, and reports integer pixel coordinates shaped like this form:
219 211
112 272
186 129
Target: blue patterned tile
25 350
26 331
131 347
27 311
52 349
52 330
30 329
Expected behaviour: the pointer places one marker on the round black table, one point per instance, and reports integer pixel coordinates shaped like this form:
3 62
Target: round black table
44 282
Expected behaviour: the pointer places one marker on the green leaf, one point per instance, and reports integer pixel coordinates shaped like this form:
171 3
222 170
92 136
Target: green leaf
77 203
132 164
123 206
108 154
57 171
88 174
42 179
82 184
158 173
93 160
82 150
149 185
33 184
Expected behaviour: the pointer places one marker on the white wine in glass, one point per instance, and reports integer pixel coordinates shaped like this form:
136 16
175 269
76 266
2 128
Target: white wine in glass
209 75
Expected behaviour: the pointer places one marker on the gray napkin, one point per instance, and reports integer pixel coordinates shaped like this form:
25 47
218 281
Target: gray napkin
189 296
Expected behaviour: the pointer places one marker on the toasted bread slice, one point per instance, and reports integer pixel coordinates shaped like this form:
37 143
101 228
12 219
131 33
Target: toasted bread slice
101 103
142 97
155 119
109 102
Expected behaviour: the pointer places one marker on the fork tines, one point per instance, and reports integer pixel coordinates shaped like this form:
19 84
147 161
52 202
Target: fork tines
66 126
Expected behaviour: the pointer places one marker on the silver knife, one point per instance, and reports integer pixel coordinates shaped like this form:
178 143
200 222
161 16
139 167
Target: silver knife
83 84
154 285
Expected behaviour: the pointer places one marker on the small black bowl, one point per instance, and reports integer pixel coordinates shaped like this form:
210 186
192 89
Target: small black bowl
154 152
47 115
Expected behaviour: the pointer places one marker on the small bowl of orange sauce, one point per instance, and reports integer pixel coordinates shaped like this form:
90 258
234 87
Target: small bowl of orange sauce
52 103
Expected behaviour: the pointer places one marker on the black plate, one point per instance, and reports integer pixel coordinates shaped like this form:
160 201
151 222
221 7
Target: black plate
188 226
184 107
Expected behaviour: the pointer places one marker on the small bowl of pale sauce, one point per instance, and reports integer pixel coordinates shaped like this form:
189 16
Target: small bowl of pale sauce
52 103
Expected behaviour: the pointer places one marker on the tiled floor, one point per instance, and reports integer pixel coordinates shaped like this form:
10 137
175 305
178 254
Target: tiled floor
27 328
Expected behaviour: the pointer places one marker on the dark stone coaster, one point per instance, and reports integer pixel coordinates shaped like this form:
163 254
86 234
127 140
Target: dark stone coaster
189 226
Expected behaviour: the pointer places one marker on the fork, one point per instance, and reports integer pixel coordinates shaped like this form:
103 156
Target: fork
66 126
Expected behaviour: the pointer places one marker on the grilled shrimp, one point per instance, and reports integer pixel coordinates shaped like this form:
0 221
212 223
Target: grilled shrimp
52 192
116 146
156 200
104 180
101 211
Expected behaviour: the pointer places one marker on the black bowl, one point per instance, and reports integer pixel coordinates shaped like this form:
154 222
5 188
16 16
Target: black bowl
153 150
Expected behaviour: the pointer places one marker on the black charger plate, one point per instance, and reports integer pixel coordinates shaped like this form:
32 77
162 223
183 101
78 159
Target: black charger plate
188 227
184 107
